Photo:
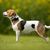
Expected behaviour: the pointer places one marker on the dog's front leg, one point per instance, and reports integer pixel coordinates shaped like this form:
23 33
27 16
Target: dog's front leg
17 35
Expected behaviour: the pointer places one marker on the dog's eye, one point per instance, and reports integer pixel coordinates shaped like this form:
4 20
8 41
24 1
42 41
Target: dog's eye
7 12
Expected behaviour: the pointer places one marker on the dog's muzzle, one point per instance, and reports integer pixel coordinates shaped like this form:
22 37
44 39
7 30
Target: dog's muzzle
4 13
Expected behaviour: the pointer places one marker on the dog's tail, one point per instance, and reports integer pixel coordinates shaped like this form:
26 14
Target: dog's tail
48 27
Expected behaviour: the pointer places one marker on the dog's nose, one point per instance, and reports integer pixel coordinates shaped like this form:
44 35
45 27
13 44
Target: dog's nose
5 13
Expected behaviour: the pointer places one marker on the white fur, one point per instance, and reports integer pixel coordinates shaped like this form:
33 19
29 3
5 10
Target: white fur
4 13
28 28
47 26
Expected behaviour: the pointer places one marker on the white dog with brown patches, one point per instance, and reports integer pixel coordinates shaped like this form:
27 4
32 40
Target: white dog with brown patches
20 25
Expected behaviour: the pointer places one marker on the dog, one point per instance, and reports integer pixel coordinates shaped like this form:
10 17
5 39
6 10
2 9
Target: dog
20 25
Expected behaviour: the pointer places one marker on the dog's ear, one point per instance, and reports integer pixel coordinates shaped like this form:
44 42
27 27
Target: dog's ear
13 14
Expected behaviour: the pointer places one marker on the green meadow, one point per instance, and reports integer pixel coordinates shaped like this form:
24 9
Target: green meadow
28 10
26 42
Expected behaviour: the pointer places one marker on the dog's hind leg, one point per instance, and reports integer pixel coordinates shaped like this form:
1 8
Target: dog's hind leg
43 36
41 31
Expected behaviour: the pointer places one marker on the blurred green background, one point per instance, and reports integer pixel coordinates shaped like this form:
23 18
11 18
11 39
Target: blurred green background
27 9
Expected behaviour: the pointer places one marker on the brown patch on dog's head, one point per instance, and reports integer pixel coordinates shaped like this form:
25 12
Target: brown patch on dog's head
11 12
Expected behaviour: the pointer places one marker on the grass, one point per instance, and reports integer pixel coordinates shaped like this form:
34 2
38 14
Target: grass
7 42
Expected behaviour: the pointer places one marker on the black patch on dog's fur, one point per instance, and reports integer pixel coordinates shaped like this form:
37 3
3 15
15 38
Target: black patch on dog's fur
33 25
22 23
15 19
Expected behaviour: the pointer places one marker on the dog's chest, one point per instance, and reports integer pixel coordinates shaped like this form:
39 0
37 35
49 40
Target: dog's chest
14 26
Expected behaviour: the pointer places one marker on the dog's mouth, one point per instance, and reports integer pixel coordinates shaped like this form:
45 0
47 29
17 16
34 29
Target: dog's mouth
4 13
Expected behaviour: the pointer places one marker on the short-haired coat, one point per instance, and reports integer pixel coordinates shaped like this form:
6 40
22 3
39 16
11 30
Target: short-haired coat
20 25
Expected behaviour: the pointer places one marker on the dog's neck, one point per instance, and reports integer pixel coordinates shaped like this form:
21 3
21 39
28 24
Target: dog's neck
16 19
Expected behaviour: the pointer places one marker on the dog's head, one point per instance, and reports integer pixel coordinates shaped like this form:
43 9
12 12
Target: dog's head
9 13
